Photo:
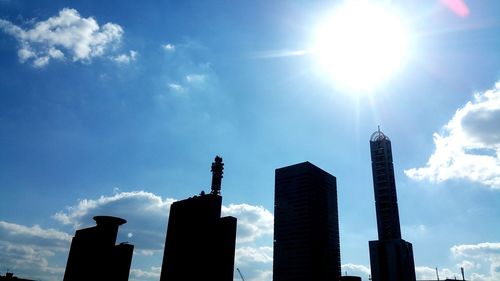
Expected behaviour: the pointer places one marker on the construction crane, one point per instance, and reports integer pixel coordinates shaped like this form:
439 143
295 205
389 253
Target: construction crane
241 275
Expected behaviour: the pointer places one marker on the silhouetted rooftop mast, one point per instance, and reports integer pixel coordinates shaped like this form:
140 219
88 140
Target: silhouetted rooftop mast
217 171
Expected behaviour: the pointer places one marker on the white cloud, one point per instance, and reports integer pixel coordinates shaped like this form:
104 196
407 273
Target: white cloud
153 272
356 270
126 58
428 273
30 249
253 221
475 250
469 146
66 34
245 255
43 251
175 87
468 265
195 78
145 212
34 232
169 47
480 255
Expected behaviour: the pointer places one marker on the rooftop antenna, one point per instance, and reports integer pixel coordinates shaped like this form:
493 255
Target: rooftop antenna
437 274
463 275
217 171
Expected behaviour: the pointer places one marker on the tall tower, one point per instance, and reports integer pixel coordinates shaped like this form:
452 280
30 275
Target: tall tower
200 245
306 226
391 257
384 186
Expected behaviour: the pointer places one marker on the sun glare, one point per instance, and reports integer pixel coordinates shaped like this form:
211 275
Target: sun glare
361 44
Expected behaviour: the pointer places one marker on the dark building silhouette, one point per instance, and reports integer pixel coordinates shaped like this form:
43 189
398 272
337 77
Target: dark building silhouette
306 227
94 256
391 258
350 278
9 276
200 244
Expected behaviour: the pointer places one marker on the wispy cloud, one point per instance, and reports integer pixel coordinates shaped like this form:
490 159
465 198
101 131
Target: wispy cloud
245 255
469 145
64 35
195 78
34 232
175 87
151 273
126 58
168 47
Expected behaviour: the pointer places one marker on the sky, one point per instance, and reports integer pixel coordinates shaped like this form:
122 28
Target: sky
119 108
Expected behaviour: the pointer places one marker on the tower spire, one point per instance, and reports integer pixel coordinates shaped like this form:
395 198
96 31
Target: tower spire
217 171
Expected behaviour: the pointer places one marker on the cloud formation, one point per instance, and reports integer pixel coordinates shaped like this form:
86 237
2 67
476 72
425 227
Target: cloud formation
126 58
246 255
42 251
253 221
483 253
30 249
145 212
64 35
356 270
168 47
477 250
469 145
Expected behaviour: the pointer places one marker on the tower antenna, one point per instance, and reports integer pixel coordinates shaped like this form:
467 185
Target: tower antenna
217 171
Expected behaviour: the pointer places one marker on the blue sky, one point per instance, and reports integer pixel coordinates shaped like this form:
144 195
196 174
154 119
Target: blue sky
119 107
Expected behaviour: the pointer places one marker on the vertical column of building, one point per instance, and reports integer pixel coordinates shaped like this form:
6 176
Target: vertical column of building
199 244
306 230
391 258
384 185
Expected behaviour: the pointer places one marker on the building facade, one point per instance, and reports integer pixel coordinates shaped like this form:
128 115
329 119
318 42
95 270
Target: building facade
200 245
94 256
306 226
391 258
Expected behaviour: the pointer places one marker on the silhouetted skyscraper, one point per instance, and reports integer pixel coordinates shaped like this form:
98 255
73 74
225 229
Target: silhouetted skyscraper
200 244
94 256
306 226
391 257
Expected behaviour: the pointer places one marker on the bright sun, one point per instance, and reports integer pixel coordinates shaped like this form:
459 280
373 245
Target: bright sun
361 44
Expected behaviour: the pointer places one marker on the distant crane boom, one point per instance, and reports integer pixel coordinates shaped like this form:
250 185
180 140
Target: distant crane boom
241 275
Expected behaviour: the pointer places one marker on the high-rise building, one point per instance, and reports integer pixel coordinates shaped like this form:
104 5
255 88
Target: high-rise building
391 258
200 244
94 256
306 226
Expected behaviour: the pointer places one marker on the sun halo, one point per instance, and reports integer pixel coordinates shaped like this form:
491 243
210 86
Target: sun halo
361 45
